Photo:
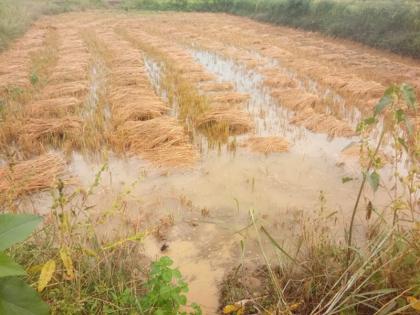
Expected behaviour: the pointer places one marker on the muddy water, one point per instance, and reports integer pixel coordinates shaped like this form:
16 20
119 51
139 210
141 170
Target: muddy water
209 203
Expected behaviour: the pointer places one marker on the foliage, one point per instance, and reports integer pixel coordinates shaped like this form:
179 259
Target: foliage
16 297
387 24
166 290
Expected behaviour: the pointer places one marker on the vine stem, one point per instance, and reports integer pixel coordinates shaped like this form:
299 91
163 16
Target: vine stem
359 195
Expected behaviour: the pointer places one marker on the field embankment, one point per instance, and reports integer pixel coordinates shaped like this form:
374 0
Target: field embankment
385 24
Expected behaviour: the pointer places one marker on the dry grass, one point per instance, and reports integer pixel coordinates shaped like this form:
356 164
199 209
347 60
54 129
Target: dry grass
216 86
229 98
139 110
55 107
74 88
38 174
160 140
279 80
36 133
267 145
322 123
296 99
236 121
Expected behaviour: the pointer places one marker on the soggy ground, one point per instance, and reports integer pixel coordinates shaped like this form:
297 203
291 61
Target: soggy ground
118 72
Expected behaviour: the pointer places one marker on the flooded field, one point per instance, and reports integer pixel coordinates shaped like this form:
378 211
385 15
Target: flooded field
181 130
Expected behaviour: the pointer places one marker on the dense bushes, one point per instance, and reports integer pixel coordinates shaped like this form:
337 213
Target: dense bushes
388 24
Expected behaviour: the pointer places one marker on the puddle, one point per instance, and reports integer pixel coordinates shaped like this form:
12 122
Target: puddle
210 204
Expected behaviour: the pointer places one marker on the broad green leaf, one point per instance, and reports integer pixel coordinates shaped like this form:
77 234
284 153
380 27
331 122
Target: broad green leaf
373 180
409 95
167 275
17 298
15 228
385 101
9 268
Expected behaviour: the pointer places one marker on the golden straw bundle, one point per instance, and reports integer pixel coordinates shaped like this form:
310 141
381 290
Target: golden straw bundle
236 120
76 88
267 145
53 107
139 111
50 130
229 98
40 173
160 140
323 123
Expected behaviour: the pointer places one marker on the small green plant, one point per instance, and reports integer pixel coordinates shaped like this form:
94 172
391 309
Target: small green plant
166 291
34 78
16 297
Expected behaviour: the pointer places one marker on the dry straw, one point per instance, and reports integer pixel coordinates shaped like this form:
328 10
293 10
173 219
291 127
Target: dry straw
76 88
322 123
267 145
237 121
160 140
37 132
38 174
54 107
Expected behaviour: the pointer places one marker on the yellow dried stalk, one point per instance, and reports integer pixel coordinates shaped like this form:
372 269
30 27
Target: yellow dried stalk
138 110
160 140
295 99
229 98
54 107
267 145
35 133
76 88
26 177
216 86
322 123
235 120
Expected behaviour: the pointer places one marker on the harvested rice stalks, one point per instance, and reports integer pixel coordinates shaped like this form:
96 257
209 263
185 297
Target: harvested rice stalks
54 107
267 145
160 140
229 98
38 174
323 123
216 86
38 131
139 111
235 120
76 88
